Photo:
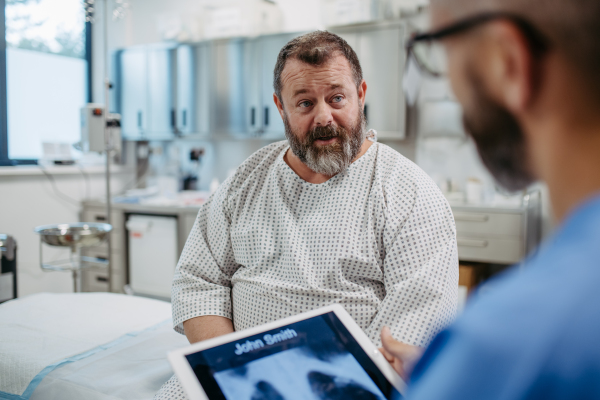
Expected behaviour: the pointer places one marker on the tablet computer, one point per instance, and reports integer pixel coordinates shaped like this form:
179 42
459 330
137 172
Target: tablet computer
321 354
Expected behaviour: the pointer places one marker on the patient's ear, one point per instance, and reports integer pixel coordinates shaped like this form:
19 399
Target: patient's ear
279 105
362 93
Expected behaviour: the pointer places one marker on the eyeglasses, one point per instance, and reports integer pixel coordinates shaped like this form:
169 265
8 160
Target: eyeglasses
430 54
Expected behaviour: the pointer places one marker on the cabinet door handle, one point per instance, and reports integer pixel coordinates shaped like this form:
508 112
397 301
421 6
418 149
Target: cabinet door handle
173 118
471 217
252 116
266 116
139 119
100 218
184 117
471 242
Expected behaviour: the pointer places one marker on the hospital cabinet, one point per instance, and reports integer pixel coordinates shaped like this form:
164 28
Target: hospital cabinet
252 88
224 87
96 280
144 83
179 219
161 116
152 253
228 96
200 78
498 235
489 236
133 87
272 124
184 89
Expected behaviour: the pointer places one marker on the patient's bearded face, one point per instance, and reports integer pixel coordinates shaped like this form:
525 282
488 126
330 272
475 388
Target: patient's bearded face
329 159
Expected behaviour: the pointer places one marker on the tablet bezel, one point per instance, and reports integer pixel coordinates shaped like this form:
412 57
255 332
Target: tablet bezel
194 389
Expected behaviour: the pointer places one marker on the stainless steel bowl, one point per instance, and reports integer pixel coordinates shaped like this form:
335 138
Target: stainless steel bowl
79 234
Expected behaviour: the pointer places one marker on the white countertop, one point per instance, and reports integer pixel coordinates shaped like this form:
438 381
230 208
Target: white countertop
149 208
173 208
61 170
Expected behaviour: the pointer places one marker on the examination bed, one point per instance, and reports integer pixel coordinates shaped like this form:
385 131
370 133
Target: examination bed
93 346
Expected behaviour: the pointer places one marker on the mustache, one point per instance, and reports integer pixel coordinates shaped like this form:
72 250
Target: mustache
328 131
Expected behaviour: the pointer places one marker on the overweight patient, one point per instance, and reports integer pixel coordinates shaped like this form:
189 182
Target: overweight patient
327 216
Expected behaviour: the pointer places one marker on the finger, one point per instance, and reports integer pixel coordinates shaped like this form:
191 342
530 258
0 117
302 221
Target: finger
386 335
387 340
394 347
386 331
386 355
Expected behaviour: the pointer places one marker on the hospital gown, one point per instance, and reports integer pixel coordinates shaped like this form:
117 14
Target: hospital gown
378 238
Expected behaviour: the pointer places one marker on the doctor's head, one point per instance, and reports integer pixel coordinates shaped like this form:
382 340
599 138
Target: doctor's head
525 72
320 94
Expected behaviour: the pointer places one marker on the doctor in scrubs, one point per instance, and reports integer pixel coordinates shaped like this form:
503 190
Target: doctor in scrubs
527 73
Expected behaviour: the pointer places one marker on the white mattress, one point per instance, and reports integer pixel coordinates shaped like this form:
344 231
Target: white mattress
135 369
43 331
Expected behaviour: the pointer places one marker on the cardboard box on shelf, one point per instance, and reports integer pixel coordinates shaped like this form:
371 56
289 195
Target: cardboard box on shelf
468 276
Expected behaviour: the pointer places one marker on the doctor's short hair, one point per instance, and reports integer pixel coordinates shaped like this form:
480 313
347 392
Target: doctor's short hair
316 49
572 27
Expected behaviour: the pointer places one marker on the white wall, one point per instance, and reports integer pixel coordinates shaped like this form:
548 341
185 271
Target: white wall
28 201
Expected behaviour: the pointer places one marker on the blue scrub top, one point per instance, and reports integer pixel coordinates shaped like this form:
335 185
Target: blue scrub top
535 334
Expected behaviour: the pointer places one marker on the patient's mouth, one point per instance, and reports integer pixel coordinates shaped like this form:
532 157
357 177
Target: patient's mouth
325 140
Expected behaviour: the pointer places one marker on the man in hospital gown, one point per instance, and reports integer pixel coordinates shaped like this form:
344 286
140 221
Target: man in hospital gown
328 216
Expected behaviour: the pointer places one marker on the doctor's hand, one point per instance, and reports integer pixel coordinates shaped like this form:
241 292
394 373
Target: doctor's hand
402 356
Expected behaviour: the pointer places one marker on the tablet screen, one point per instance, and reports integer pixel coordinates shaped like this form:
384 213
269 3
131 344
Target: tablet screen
316 358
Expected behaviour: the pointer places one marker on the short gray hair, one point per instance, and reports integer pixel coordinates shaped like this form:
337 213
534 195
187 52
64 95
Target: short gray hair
316 48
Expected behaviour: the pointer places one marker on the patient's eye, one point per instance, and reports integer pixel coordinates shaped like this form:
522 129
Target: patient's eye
337 99
305 104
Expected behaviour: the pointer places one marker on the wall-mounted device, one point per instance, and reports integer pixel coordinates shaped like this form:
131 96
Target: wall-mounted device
92 130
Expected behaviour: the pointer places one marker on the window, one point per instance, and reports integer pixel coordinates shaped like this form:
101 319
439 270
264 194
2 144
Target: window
47 75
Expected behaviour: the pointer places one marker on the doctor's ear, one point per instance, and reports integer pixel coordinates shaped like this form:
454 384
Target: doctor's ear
512 68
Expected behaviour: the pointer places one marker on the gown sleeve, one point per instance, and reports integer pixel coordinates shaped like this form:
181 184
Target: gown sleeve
420 267
202 280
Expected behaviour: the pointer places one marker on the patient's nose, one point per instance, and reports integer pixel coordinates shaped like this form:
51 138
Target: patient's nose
323 115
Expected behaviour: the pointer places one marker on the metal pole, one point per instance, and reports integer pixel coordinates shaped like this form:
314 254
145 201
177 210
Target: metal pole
107 144
76 288
77 271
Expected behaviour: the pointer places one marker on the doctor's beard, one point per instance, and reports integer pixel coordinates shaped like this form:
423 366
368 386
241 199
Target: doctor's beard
499 139
330 159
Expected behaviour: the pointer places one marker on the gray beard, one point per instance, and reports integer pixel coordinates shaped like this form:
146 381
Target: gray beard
332 159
